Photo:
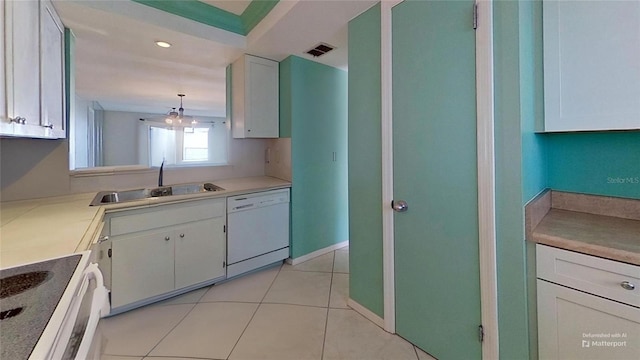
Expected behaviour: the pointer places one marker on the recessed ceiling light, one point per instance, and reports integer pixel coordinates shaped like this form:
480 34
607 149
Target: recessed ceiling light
163 44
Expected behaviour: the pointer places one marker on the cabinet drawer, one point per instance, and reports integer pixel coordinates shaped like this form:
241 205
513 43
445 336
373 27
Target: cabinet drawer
165 215
606 278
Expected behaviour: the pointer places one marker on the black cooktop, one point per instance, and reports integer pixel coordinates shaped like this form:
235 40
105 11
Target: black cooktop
28 296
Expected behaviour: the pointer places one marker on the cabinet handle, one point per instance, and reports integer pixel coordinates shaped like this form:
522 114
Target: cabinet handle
627 285
50 126
103 238
181 235
18 120
167 238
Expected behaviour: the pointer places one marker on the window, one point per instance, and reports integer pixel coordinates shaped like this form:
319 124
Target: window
199 144
195 144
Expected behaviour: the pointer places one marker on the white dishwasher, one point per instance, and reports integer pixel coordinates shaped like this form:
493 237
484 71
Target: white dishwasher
257 230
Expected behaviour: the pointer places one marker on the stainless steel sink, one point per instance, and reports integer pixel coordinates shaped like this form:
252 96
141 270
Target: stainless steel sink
114 197
194 188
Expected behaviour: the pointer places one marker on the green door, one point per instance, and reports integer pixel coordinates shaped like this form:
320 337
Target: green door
434 154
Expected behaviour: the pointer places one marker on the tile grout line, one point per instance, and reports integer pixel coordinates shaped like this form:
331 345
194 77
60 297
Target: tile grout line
173 328
290 304
255 312
326 321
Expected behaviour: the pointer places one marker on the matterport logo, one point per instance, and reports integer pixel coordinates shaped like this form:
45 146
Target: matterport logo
604 340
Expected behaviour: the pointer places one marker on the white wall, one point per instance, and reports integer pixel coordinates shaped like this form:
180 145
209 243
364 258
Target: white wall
120 137
32 168
80 132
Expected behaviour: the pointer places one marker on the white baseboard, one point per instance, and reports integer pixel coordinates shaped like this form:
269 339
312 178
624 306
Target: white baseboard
317 253
374 318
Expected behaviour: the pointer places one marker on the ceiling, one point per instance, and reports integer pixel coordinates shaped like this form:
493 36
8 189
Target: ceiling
232 6
118 64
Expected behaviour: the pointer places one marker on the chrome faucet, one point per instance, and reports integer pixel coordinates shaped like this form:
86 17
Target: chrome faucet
160 174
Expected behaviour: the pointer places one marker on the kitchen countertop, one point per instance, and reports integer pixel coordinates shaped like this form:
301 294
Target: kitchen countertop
231 187
552 220
39 229
605 236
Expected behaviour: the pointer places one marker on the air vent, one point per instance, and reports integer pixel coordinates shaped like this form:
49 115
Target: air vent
320 50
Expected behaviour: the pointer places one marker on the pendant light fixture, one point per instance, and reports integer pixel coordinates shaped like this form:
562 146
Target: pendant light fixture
175 117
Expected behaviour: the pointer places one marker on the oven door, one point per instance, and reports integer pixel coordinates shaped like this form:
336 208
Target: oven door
75 339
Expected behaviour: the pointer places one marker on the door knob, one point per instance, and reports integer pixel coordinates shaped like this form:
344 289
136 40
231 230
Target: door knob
399 206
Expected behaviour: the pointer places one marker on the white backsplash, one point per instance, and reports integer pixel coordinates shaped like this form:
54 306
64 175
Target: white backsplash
278 158
34 168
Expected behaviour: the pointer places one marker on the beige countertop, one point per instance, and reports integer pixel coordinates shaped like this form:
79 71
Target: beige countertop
231 187
38 229
609 237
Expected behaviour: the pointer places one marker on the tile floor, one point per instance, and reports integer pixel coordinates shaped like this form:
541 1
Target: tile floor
283 312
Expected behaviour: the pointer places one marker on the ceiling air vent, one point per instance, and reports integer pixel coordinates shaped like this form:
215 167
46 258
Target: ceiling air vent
320 50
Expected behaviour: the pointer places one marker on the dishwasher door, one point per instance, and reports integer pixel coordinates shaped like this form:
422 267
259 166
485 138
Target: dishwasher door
257 224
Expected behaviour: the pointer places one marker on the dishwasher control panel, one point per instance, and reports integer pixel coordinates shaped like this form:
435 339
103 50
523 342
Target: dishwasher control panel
257 200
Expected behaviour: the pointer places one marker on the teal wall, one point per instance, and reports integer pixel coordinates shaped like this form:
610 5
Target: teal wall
285 97
511 104
534 146
365 162
69 78
314 99
600 163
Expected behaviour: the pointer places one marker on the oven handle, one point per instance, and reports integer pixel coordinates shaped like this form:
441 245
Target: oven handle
99 308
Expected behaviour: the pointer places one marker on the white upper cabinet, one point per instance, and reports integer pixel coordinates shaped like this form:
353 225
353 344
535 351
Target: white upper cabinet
254 98
591 65
52 70
23 81
34 71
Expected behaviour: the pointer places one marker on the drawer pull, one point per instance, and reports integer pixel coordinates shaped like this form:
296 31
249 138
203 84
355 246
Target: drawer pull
627 285
167 238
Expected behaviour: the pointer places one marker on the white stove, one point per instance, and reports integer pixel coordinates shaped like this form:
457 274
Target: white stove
50 309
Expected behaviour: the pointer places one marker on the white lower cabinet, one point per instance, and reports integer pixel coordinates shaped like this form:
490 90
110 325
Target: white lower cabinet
199 252
159 251
576 325
588 307
141 267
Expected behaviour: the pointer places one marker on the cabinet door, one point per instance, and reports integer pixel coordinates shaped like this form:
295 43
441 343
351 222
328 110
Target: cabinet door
576 325
141 267
591 72
23 81
199 252
262 108
52 72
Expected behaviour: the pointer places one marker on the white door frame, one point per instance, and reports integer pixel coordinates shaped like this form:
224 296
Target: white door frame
486 173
